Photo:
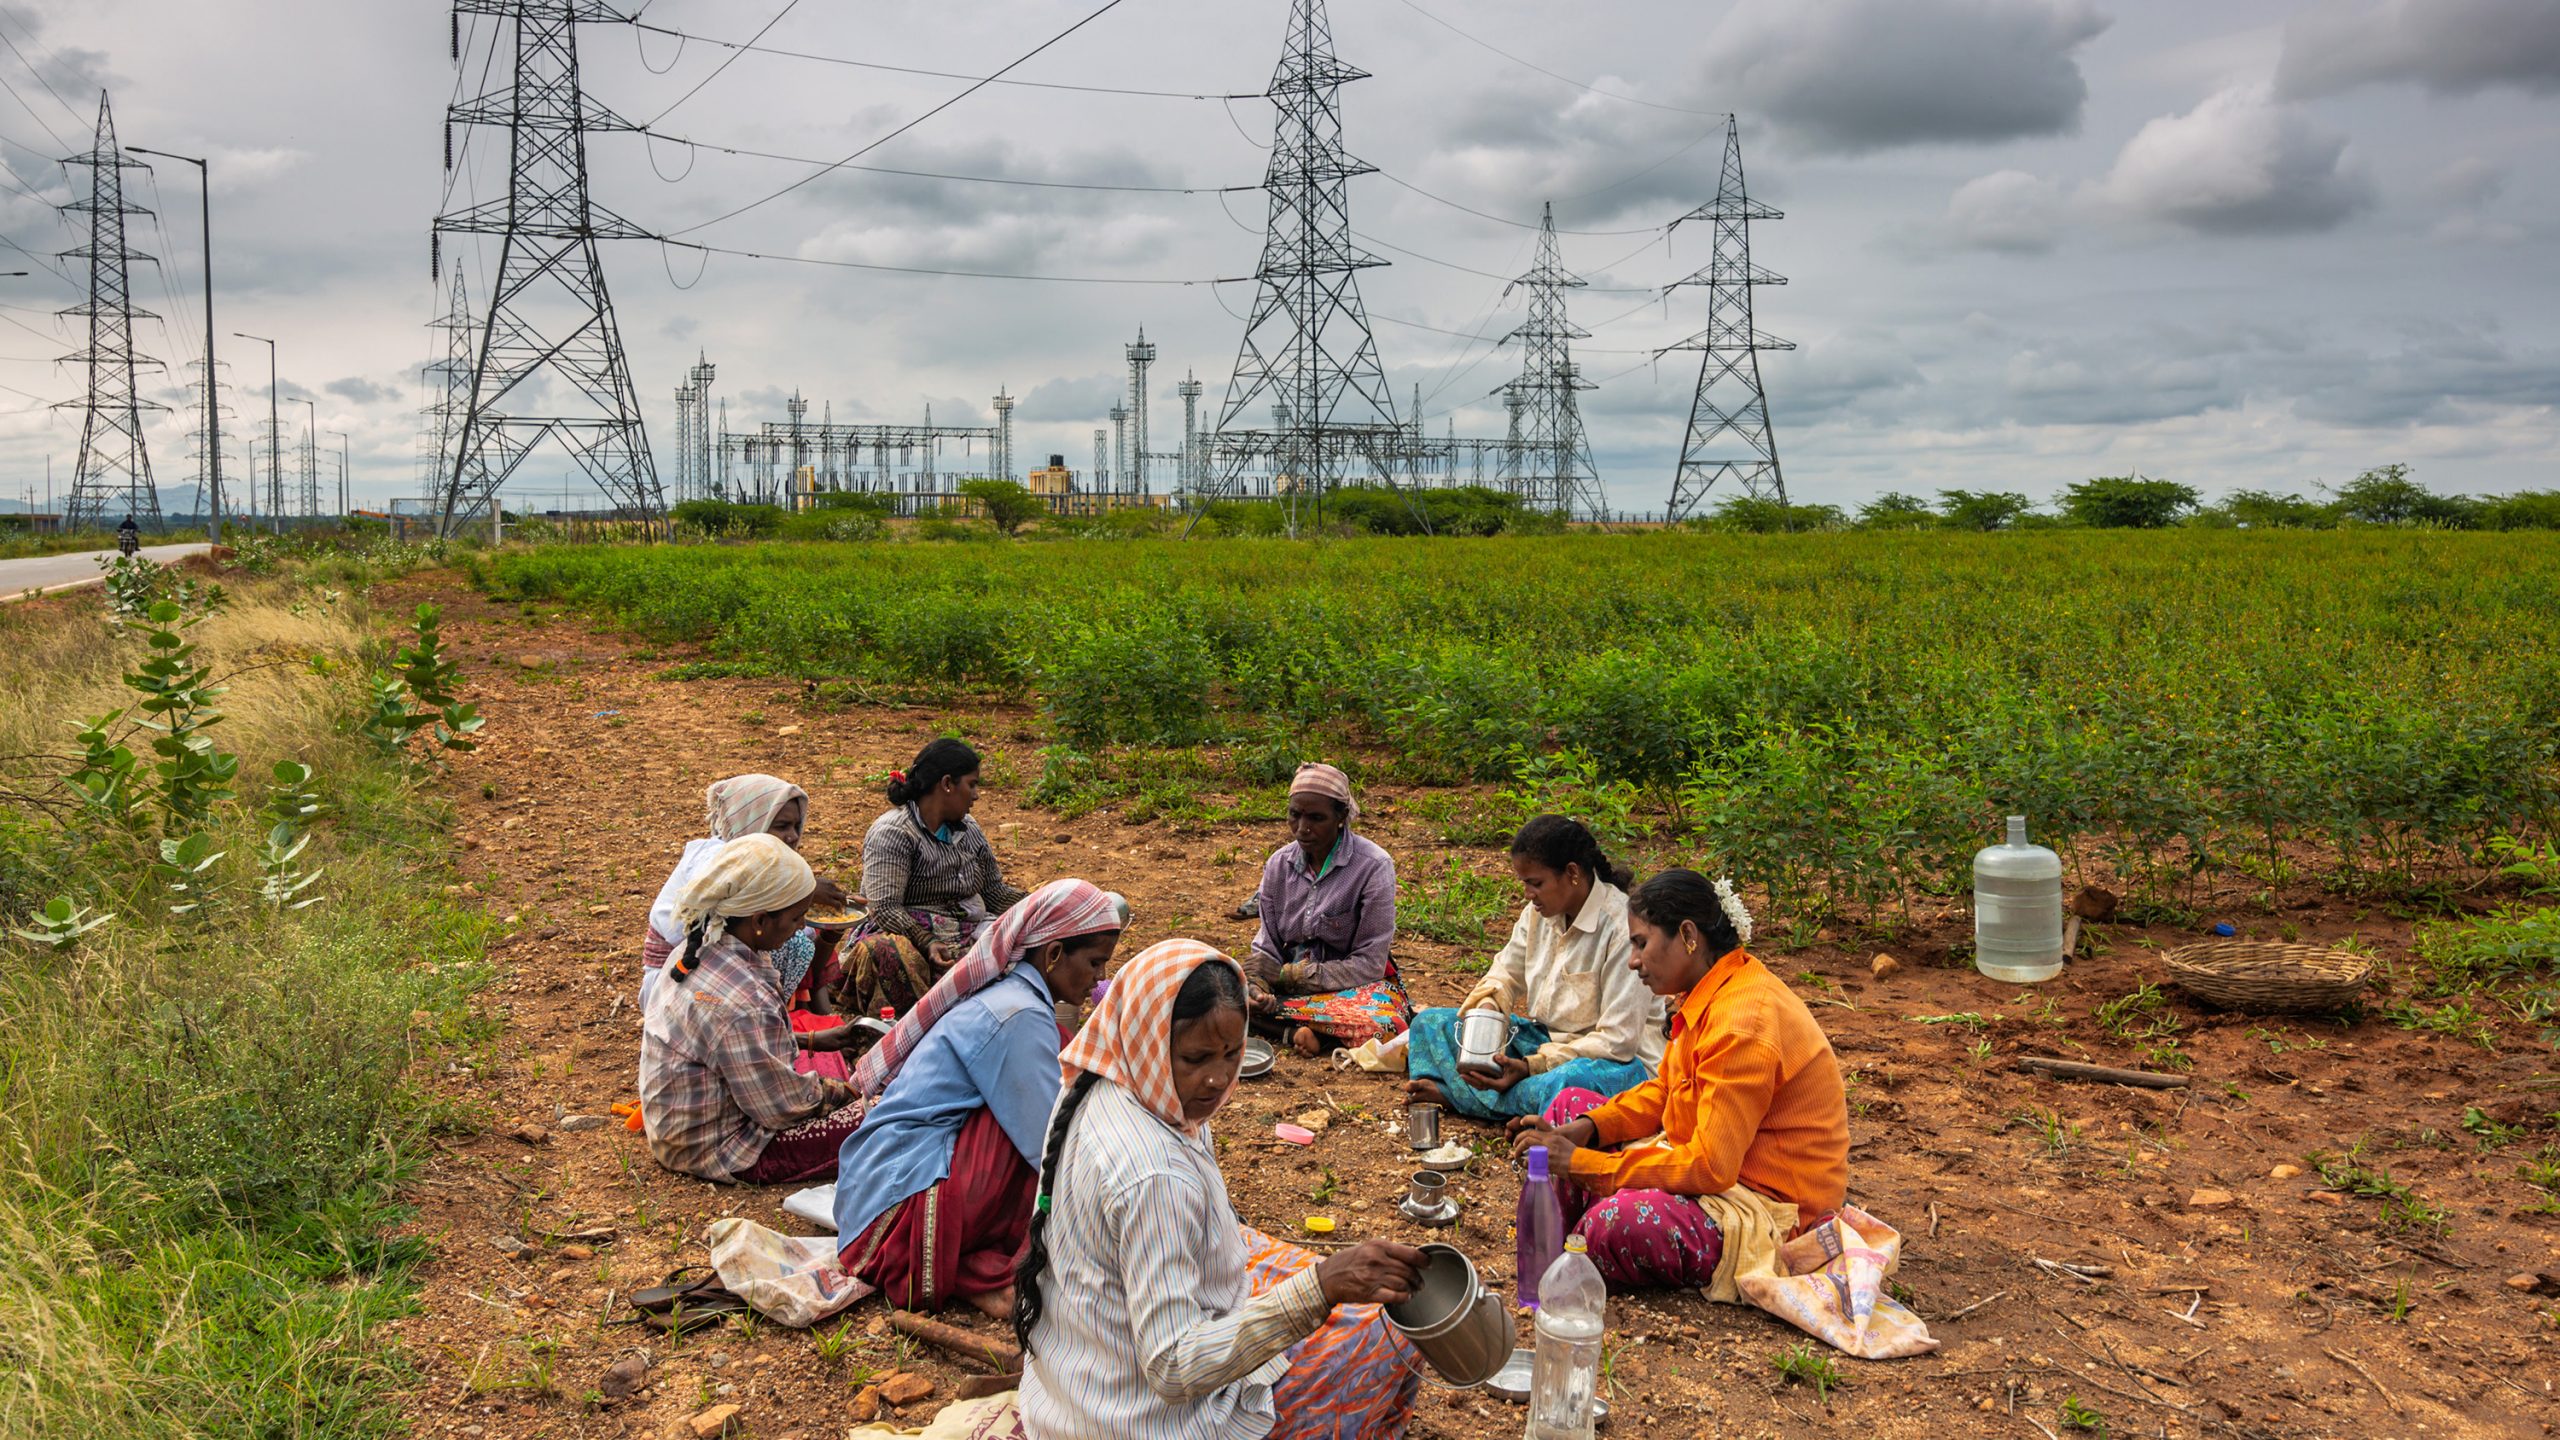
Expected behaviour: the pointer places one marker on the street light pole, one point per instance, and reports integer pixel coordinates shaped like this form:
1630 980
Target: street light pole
344 508
275 436
212 429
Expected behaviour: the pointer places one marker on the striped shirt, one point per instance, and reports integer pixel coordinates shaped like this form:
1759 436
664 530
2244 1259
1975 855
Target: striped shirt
1147 1329
930 886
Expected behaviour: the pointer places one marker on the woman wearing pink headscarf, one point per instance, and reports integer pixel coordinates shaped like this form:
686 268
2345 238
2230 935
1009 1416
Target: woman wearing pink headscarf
934 1192
1320 965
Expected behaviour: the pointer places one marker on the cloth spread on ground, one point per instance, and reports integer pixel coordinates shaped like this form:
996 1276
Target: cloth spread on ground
789 1278
1059 910
1435 1058
1749 1093
997 1417
1572 977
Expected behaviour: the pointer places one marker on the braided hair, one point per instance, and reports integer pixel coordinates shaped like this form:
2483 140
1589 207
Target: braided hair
1207 989
1557 841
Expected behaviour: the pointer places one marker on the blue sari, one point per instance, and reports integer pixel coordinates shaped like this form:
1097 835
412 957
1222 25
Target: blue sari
1433 1056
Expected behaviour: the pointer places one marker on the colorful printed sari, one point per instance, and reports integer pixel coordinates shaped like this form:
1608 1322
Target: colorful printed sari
1350 1017
1355 1379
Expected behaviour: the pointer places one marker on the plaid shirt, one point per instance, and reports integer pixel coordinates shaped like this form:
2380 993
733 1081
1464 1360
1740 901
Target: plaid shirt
720 1086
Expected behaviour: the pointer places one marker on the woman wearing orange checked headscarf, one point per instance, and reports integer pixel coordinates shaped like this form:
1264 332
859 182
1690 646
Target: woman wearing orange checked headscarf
1143 1307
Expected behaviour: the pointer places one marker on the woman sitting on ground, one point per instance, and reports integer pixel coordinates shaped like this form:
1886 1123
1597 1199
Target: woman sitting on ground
746 805
929 879
1321 970
719 1095
935 1189
1145 1307
1749 1097
1579 1017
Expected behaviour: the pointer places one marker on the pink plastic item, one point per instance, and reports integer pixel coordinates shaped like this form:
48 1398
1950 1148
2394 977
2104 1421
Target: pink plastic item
1295 1134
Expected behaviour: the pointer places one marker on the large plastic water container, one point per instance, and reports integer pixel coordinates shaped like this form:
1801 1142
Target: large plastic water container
1564 1378
2017 909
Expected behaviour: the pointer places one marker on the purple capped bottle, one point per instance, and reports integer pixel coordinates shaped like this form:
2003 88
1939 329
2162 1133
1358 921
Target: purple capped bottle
1538 1226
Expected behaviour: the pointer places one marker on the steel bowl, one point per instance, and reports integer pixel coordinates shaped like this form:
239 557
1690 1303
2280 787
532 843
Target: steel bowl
1512 1382
1258 1058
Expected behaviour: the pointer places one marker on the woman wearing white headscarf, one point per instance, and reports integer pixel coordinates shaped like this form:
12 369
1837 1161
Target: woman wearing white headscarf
719 1095
741 805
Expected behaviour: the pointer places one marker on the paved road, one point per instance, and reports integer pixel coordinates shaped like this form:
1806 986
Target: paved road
61 572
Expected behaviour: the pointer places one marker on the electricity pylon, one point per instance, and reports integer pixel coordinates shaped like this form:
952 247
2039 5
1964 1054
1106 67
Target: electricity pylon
1558 474
549 342
1729 432
114 469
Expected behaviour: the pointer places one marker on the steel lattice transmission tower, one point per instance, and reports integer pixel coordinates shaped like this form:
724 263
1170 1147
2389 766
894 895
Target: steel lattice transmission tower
115 464
549 340
1307 345
1142 355
1002 459
1729 433
1555 455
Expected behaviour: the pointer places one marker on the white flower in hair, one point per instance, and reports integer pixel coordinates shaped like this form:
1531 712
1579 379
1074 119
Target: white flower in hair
1734 910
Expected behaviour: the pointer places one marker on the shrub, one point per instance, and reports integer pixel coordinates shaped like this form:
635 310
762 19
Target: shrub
2127 502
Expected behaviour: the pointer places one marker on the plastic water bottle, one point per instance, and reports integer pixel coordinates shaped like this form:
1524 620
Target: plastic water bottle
2017 910
1564 1380
1538 1226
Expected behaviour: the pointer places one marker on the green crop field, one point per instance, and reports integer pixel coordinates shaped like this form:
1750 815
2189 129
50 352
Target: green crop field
1843 718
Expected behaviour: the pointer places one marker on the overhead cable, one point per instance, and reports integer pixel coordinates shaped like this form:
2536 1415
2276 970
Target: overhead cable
963 274
1550 74
975 86
947 74
944 175
787 8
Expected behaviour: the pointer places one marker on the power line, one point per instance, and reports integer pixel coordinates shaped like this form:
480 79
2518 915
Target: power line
943 175
1106 8
950 74
1487 274
1550 74
961 274
787 8
1503 220
33 39
31 111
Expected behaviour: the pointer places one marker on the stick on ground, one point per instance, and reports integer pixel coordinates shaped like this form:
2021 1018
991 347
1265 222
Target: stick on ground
1002 1354
2103 1074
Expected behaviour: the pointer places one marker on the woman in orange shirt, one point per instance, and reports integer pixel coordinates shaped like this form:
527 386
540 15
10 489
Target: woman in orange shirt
1749 1094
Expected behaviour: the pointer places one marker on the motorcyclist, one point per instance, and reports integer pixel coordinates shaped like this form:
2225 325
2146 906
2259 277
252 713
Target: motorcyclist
128 536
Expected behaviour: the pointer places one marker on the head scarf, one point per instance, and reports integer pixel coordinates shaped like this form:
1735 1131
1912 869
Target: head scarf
746 804
1059 910
1128 1039
1317 778
751 875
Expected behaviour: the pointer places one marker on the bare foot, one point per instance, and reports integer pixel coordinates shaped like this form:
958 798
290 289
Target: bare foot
1425 1092
995 1304
1306 1042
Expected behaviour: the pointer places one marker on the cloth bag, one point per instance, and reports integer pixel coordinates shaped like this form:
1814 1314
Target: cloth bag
787 1278
994 1418
1827 1282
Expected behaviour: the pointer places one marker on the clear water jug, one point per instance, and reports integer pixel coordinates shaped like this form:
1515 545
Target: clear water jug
1537 1226
1564 1379
2017 909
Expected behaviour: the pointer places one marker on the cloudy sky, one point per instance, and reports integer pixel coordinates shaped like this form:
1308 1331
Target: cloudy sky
2259 243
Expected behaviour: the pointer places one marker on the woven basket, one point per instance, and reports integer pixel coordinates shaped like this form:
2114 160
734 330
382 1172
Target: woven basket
2269 975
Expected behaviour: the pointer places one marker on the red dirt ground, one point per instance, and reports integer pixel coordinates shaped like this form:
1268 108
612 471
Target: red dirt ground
2311 1318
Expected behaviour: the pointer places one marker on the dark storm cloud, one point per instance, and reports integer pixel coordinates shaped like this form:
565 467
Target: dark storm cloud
1851 76
2447 47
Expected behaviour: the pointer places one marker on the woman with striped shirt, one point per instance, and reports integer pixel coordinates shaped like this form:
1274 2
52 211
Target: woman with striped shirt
1165 1317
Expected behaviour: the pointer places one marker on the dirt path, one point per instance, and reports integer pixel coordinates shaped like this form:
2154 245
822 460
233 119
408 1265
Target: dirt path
2241 1297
